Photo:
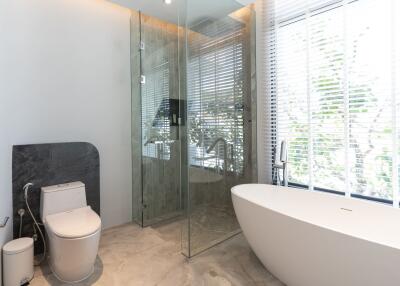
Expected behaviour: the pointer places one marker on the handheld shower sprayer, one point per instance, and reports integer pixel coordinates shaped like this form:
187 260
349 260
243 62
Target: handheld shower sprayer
36 224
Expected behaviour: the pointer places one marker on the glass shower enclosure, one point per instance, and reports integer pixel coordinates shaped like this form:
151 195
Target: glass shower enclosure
157 112
193 117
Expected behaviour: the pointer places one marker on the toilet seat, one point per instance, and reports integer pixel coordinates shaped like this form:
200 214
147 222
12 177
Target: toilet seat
77 223
73 243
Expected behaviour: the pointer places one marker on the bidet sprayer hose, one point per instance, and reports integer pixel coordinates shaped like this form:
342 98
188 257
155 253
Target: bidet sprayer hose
26 189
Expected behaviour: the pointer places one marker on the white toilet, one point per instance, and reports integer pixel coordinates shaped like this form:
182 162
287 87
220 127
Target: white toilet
73 231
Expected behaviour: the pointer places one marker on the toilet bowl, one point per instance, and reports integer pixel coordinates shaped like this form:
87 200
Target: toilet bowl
73 231
73 243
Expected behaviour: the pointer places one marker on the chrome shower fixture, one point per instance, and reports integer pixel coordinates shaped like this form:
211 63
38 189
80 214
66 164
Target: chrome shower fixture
282 165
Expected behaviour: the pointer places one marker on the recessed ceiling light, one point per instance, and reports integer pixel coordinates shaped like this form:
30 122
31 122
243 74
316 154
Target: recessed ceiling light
167 2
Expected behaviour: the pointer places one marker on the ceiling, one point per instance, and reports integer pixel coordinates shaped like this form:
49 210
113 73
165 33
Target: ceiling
197 10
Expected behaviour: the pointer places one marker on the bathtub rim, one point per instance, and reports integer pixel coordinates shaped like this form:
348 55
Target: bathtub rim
325 227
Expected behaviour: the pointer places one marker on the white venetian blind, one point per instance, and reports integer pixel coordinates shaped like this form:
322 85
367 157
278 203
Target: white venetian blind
335 95
155 110
216 93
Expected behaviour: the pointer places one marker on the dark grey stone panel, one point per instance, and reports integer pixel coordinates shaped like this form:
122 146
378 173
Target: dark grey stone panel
51 164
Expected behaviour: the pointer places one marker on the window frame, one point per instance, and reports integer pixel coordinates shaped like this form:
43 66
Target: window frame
356 196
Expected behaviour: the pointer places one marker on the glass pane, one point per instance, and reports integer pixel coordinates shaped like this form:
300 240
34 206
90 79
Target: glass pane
326 66
291 94
220 117
370 108
160 114
156 112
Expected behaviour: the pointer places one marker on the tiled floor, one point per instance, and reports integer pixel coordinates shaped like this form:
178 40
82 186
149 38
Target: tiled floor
210 224
130 255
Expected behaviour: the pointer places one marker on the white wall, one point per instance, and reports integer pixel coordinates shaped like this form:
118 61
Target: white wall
65 76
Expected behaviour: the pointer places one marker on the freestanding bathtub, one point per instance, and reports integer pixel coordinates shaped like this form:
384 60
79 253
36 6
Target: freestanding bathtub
316 239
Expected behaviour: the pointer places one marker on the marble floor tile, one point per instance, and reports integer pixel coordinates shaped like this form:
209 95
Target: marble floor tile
130 255
210 224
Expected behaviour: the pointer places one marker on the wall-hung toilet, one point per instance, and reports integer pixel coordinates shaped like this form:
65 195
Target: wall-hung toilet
73 231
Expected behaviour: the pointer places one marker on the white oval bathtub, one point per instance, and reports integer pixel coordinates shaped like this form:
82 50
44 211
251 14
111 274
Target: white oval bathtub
316 239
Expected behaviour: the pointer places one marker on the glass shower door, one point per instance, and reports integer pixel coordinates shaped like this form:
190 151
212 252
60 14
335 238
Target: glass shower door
159 191
193 118
160 120
221 115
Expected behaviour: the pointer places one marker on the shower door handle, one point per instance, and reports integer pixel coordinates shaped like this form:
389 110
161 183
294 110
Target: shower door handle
4 223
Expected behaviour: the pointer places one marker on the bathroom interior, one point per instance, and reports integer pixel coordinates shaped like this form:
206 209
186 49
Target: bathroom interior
200 142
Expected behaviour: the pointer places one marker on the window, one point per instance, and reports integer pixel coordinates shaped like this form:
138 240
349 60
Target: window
216 93
335 93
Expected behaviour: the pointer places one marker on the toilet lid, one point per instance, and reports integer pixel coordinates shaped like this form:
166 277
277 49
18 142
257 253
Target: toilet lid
76 223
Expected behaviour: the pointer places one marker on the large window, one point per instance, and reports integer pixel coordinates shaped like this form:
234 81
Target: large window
336 82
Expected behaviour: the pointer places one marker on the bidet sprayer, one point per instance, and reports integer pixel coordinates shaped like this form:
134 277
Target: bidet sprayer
26 189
